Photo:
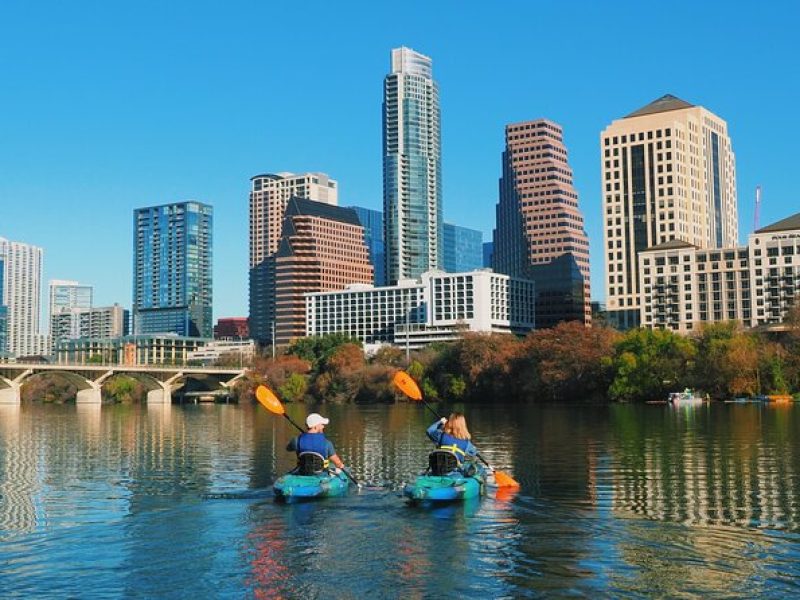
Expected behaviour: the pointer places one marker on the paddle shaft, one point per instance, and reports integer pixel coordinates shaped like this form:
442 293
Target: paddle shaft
438 416
300 429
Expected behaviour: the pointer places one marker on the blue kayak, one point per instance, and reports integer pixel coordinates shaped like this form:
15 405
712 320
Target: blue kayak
322 485
452 487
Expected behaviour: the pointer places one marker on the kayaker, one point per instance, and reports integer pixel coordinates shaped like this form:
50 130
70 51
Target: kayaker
314 440
452 434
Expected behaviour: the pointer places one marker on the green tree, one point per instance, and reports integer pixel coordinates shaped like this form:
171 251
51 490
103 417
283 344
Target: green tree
294 388
318 350
649 363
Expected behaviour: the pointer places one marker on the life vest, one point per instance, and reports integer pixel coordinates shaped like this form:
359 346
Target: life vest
454 445
313 442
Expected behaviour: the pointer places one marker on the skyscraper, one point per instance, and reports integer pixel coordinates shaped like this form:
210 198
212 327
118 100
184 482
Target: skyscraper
3 309
66 295
412 174
668 173
540 233
172 269
96 322
322 249
269 195
372 222
462 248
488 251
22 283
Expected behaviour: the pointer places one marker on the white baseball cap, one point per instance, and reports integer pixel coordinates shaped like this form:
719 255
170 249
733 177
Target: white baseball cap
315 419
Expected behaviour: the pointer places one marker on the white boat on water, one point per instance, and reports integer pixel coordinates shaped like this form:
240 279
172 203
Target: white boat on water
687 396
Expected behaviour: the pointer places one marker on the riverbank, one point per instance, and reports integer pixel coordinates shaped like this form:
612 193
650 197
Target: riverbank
566 363
562 364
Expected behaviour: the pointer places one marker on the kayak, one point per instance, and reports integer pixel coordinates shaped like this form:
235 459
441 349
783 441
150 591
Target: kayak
322 485
452 487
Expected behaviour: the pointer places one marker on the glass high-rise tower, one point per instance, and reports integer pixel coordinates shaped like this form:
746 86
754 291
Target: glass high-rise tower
372 222
412 174
172 269
463 248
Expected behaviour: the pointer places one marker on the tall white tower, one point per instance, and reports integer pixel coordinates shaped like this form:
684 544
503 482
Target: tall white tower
21 295
412 173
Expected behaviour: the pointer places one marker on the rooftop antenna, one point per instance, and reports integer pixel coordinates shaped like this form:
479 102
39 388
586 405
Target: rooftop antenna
757 211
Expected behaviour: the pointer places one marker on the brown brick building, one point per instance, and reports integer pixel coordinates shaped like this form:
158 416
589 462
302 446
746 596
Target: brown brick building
322 249
540 233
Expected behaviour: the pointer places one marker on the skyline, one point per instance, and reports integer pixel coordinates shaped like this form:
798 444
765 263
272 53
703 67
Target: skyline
189 113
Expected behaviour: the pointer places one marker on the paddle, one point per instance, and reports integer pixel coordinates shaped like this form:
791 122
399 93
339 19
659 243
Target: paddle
410 388
270 401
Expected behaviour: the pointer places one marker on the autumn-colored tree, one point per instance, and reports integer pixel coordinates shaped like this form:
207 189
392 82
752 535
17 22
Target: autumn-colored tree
390 356
340 379
481 364
568 361
376 385
48 387
727 360
273 373
742 365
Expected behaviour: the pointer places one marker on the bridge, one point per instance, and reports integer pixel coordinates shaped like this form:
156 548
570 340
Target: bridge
159 381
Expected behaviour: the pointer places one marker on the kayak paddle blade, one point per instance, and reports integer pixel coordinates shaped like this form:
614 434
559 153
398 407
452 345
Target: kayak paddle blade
505 480
407 385
269 401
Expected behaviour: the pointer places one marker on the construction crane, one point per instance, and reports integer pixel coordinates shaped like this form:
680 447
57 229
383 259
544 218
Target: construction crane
757 211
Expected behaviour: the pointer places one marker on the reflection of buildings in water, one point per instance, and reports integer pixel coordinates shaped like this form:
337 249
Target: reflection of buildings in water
726 476
21 508
89 420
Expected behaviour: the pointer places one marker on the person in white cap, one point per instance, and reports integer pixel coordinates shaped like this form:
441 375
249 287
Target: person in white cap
314 440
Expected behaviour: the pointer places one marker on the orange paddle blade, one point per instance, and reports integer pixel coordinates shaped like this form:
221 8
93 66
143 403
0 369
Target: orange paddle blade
407 385
268 400
505 480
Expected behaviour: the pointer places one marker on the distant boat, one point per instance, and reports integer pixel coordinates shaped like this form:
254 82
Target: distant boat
747 400
686 397
780 398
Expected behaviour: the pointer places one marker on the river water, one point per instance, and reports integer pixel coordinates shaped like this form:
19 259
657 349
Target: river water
616 501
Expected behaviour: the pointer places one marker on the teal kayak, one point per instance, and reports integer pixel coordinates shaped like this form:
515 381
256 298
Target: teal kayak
322 485
452 487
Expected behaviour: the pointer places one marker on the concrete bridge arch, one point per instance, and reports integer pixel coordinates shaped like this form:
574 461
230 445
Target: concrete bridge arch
159 381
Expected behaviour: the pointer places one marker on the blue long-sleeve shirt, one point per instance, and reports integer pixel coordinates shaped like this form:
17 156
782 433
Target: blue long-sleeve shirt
440 438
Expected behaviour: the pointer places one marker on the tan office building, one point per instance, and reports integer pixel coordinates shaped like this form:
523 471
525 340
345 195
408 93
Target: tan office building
684 286
668 174
269 195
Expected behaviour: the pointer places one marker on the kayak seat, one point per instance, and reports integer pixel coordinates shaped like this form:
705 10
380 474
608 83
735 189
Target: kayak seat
442 462
310 463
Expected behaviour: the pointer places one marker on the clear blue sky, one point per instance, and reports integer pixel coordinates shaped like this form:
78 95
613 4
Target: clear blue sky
107 106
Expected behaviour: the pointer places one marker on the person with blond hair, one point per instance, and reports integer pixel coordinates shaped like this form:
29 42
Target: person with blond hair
452 434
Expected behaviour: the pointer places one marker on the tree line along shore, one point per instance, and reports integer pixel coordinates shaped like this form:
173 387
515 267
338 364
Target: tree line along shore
568 362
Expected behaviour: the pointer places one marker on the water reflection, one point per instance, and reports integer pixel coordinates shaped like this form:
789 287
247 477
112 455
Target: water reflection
20 504
615 501
729 466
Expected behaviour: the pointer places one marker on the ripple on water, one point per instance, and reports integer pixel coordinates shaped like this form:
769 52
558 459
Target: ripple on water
615 502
